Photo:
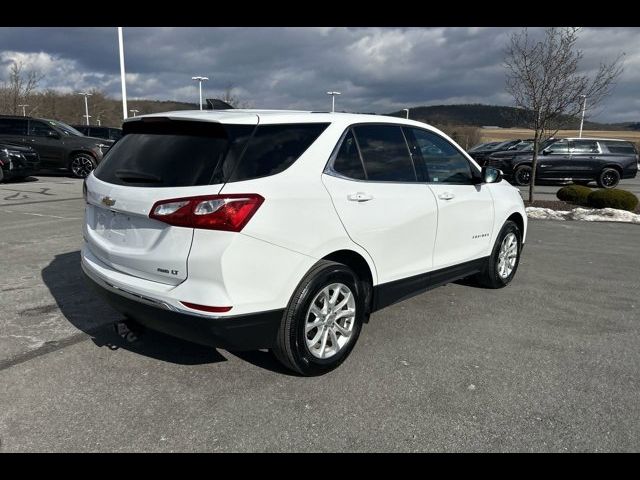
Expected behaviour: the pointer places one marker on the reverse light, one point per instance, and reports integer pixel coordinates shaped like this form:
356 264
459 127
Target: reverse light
213 212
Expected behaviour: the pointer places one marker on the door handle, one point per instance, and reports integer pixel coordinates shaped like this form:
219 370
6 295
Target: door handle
446 196
359 197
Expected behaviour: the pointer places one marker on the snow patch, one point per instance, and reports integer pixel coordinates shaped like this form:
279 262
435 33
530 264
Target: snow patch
584 214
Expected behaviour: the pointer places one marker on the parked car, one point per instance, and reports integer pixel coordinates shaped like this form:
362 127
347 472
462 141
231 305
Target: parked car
59 145
481 146
482 154
580 160
108 133
17 161
285 230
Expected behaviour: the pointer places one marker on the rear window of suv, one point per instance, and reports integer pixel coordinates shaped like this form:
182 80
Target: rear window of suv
173 153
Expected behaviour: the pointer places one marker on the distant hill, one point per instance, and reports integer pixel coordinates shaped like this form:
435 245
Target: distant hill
494 115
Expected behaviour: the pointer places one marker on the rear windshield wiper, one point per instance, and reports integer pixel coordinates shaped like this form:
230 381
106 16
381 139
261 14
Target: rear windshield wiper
137 177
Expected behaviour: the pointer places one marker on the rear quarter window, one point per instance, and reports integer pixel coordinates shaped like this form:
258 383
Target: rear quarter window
620 147
274 148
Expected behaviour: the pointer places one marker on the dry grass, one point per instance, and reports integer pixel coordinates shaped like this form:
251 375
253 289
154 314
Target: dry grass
502 134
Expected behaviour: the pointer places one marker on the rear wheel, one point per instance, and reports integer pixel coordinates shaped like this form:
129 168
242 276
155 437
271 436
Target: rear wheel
505 257
608 178
323 320
522 175
81 165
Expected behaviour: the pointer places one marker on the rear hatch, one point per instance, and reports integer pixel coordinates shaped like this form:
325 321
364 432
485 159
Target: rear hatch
157 159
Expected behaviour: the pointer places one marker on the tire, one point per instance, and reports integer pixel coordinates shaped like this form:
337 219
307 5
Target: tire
81 165
492 276
313 352
608 178
522 175
1 175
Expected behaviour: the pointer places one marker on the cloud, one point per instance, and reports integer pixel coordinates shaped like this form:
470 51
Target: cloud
376 69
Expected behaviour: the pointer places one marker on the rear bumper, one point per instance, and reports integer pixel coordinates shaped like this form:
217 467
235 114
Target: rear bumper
240 332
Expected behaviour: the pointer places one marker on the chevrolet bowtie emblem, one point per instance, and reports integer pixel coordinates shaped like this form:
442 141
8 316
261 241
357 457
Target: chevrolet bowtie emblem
108 201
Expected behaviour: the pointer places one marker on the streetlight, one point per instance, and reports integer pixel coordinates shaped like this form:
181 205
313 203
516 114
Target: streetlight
122 77
24 112
584 107
200 80
86 104
333 100
134 111
406 110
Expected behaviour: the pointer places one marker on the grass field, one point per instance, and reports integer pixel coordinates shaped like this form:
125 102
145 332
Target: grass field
502 134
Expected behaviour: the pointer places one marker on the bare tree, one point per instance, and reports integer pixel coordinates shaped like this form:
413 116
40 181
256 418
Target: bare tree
20 85
233 99
543 78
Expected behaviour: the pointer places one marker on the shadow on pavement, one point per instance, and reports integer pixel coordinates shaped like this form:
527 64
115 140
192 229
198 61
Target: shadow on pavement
85 310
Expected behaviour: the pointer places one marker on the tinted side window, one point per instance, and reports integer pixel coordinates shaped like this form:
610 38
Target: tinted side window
39 129
558 147
583 146
13 126
440 161
273 148
347 161
385 153
620 147
115 134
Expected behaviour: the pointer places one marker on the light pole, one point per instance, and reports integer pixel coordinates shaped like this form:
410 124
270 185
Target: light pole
406 110
333 100
122 77
86 104
24 112
584 107
134 111
200 80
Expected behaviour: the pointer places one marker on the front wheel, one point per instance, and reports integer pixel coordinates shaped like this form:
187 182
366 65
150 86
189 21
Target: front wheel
522 175
322 321
505 257
81 165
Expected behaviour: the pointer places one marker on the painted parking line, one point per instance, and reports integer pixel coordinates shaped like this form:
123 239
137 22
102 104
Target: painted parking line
40 215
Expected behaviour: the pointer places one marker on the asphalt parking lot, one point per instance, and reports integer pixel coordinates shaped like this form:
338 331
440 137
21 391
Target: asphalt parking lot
549 363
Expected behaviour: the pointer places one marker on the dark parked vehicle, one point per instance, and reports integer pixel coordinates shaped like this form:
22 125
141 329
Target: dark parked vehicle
17 162
482 146
481 155
58 145
108 133
580 160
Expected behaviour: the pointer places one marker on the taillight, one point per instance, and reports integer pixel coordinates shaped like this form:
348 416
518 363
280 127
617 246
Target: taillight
213 212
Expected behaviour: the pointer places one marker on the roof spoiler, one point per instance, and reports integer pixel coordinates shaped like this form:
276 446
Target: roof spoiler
216 104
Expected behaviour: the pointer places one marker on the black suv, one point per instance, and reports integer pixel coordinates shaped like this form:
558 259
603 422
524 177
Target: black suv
109 133
58 144
17 161
580 160
480 155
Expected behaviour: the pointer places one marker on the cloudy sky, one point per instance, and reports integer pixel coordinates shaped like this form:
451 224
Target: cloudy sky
376 69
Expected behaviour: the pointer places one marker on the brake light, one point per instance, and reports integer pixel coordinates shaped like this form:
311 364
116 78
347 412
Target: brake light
213 212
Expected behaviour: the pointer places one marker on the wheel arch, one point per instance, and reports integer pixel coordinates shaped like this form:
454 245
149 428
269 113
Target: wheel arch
72 153
361 267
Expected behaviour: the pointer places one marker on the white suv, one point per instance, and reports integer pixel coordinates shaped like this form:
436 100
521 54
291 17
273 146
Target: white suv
247 229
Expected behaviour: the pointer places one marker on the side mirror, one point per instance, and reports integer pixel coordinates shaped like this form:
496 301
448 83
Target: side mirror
53 134
545 152
491 175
